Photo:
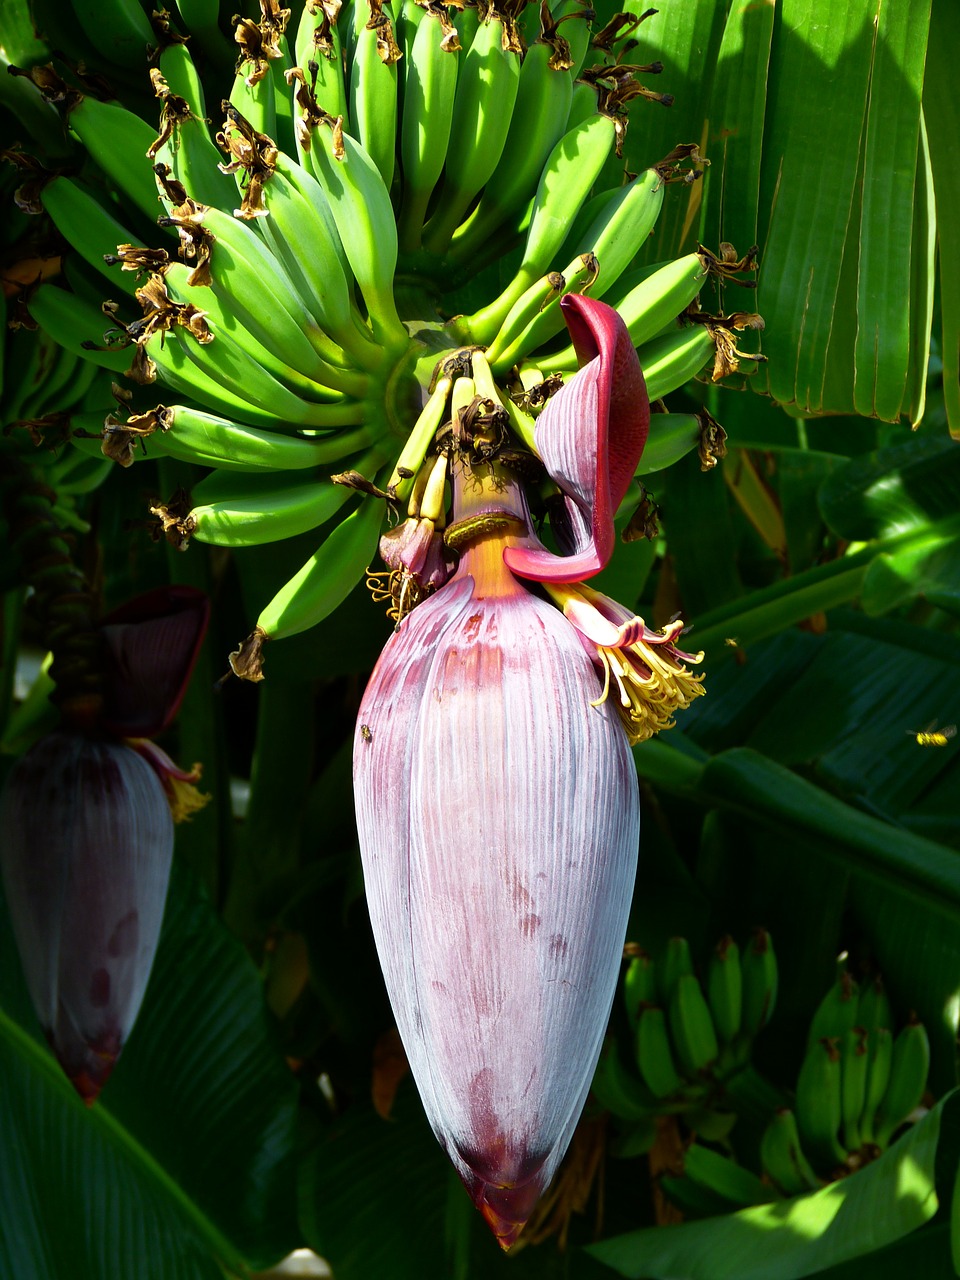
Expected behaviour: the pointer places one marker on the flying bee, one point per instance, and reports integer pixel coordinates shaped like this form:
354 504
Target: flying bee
731 642
931 736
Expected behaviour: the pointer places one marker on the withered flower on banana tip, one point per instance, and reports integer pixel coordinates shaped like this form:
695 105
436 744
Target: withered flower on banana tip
496 792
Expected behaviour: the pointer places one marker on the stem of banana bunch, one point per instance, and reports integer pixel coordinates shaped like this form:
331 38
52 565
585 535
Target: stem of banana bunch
205 842
268 845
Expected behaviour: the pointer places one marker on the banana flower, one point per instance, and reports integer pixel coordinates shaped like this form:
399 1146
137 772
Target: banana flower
86 824
496 794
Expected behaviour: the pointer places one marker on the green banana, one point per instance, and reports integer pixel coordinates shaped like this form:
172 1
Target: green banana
228 321
618 1089
854 1063
229 367
874 1010
880 1053
186 147
654 1054
819 1104
724 1177
691 1027
758 966
318 52
429 88
232 510
639 986
536 317
544 95
907 1084
647 308
322 584
676 961
364 217
565 181
674 359
190 435
124 33
373 87
619 231
486 91
91 230
782 1158
725 988
837 1012
72 322
118 142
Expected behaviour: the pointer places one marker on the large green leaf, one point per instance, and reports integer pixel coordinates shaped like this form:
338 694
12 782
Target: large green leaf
788 1240
185 1164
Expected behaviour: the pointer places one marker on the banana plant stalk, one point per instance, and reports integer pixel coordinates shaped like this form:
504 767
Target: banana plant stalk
86 821
496 794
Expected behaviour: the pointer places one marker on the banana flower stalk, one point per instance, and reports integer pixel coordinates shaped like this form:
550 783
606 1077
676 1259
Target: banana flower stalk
496 794
86 824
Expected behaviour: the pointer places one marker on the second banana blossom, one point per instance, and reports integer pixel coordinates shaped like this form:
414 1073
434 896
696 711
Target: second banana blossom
497 799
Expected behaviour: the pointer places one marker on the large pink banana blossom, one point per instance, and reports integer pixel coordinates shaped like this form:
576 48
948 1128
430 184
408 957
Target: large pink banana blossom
497 799
86 838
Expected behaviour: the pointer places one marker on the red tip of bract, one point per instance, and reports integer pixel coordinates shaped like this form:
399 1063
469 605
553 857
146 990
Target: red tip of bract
506 1209
590 436
98 1066
152 644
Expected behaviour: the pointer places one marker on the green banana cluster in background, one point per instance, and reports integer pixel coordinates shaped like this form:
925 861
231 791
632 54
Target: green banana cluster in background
287 267
742 1141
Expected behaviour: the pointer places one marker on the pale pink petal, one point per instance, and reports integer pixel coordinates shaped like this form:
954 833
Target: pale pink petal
498 820
590 436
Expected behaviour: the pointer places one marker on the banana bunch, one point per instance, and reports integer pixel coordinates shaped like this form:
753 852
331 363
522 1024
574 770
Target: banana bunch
857 1086
691 1038
384 183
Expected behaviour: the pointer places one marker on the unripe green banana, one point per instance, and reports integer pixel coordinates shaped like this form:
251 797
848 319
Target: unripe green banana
536 316
639 986
317 45
328 576
671 361
571 170
232 510
123 31
618 1089
619 231
691 1027
118 141
874 1010
364 217
191 435
758 966
71 321
372 91
782 1158
725 984
228 322
854 1062
654 1054
486 91
676 961
908 1081
658 297
724 1177
429 88
539 119
819 1105
90 229
189 151
880 1062
302 234
837 1012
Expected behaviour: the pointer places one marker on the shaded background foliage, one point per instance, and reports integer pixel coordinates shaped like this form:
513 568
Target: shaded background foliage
820 565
